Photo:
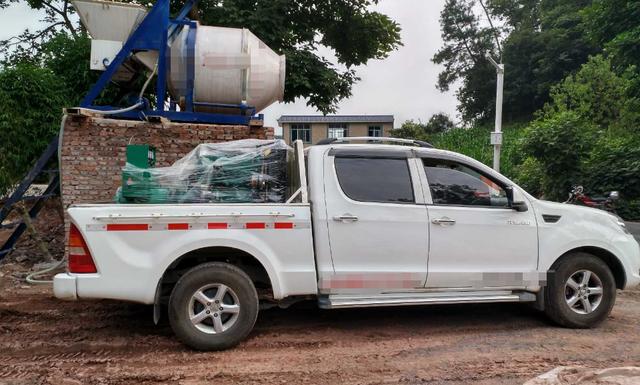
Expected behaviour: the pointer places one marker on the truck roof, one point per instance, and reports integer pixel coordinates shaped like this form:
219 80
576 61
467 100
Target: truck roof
381 147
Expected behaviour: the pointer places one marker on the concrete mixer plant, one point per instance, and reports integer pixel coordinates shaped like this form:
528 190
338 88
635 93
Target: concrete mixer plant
205 74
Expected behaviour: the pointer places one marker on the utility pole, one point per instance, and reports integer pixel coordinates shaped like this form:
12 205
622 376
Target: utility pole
496 135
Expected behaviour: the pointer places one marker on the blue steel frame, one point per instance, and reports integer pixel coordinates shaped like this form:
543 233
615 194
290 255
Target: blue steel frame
154 33
19 195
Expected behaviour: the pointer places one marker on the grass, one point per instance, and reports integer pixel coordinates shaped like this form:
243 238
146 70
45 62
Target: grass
475 142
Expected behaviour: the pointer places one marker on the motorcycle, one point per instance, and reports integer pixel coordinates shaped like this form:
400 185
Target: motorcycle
607 202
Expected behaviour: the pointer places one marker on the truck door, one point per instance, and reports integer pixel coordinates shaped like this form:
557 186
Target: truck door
476 239
377 220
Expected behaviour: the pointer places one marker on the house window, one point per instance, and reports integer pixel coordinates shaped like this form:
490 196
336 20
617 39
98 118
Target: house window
375 131
337 130
301 132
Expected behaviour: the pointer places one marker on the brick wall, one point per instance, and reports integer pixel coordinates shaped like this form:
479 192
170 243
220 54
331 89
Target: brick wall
93 150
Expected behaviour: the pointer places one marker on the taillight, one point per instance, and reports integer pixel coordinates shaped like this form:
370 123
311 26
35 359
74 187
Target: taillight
80 260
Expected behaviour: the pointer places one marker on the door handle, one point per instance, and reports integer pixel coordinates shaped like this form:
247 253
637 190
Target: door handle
443 221
345 218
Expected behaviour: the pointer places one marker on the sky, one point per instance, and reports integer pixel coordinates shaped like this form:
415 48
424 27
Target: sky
402 84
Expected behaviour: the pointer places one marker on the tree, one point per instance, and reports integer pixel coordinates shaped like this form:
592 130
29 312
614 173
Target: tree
58 17
54 61
585 92
546 41
615 25
355 33
32 101
437 124
541 42
589 134
411 130
560 143
463 57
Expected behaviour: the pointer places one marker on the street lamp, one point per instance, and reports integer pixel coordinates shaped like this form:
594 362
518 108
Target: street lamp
496 135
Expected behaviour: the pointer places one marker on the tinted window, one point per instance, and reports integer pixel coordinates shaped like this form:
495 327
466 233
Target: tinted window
375 179
453 183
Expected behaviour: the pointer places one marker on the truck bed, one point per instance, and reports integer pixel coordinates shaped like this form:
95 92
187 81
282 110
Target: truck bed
137 243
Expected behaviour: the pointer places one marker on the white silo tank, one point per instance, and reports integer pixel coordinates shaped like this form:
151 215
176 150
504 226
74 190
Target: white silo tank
231 64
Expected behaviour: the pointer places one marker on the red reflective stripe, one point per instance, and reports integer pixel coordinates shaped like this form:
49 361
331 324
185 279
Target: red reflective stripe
178 226
186 226
127 227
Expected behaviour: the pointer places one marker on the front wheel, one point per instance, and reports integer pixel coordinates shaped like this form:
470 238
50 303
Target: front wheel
213 306
581 292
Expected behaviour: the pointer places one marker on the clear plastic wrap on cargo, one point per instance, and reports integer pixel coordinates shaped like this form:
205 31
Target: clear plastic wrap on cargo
250 170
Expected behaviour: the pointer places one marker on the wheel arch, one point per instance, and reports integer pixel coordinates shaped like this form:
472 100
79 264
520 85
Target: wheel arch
266 284
612 261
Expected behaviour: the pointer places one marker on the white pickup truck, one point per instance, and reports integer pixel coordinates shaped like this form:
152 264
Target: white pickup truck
375 225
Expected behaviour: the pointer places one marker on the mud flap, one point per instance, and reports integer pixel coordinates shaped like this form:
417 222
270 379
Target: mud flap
157 309
539 302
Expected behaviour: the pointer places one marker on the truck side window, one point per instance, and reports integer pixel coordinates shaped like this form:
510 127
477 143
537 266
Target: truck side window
452 183
375 179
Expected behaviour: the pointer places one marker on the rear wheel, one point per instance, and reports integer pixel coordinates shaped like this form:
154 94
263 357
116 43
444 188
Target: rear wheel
581 292
213 306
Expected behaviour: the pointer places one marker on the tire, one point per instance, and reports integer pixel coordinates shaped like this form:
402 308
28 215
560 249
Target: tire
566 304
217 325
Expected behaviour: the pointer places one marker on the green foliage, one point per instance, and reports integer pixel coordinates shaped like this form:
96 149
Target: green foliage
559 142
463 56
530 176
575 62
294 28
614 164
585 92
541 52
615 25
30 112
53 62
542 42
313 76
68 57
411 129
589 134
438 123
297 28
475 142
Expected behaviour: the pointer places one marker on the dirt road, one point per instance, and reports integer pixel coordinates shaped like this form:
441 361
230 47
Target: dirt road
45 341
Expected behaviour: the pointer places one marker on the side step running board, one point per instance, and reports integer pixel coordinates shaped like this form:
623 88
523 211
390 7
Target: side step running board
338 301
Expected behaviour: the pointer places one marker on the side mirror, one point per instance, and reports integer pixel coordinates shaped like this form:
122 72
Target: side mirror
517 205
614 195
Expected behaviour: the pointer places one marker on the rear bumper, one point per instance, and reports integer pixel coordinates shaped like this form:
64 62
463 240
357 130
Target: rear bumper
64 287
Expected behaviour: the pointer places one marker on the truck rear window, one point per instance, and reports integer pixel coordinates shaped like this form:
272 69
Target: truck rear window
375 179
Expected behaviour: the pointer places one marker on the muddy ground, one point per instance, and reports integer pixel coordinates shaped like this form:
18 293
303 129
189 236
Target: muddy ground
45 341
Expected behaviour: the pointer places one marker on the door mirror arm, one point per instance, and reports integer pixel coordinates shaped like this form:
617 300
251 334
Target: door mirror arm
519 206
